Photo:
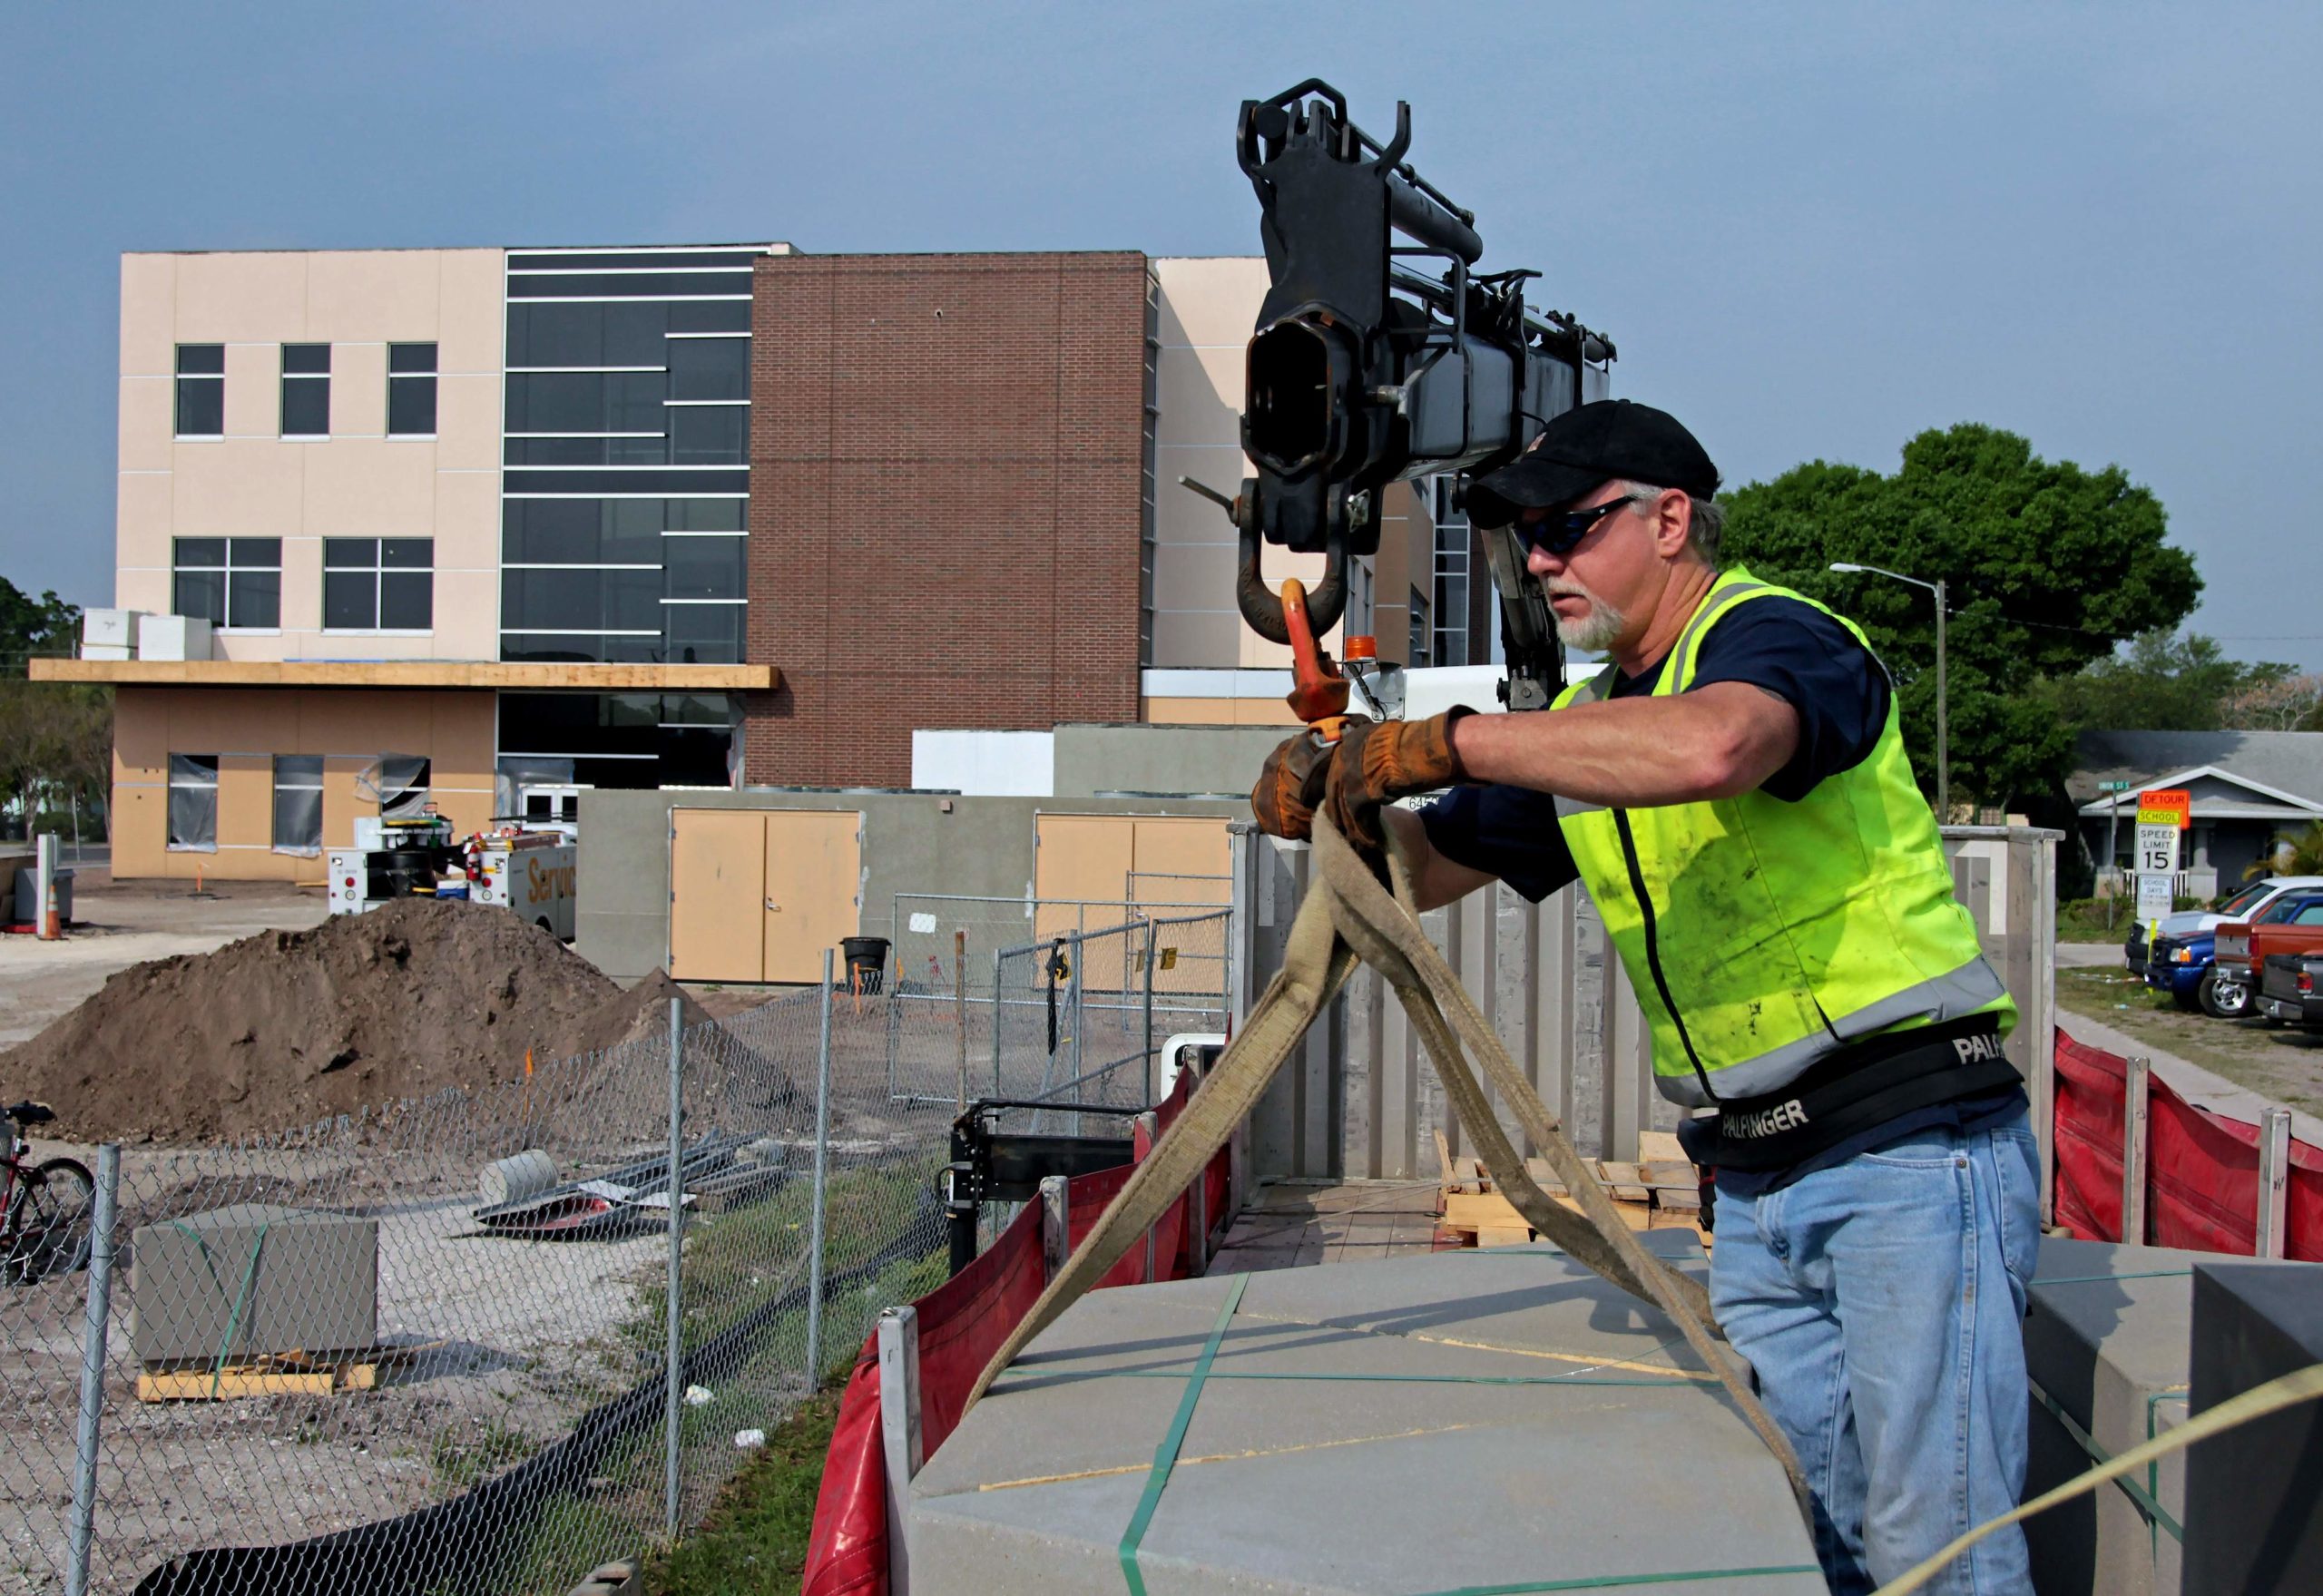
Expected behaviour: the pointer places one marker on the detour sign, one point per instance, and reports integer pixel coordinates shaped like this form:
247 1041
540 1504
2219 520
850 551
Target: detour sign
2166 806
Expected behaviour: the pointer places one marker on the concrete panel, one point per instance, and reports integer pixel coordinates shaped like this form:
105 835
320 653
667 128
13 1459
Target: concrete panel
253 390
149 315
366 487
1196 639
467 617
467 422
302 587
245 802
252 1280
148 420
140 735
258 297
1200 395
143 512
238 487
1209 298
1222 759
1019 764
141 833
1491 1468
1195 576
472 321
2106 1339
358 390
370 296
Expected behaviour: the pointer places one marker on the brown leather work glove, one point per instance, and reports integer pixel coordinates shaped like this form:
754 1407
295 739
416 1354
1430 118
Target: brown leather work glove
1291 784
1378 760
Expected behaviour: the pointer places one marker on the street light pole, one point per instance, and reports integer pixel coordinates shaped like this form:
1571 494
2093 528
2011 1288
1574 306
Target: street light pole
1942 732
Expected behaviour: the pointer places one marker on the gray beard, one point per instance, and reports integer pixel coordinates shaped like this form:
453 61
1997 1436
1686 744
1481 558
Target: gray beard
1593 631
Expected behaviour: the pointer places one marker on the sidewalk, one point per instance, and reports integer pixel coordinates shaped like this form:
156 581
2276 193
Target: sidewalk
2190 1081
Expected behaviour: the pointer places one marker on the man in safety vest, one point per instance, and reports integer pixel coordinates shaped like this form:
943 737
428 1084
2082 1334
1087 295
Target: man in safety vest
1732 790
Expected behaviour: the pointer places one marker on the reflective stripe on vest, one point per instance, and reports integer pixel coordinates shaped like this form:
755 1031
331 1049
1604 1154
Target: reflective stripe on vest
1761 935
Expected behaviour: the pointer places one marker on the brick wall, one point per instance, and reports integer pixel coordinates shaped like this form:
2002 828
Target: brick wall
944 502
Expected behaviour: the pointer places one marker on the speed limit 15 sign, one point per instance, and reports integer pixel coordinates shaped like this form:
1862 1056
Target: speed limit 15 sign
2157 849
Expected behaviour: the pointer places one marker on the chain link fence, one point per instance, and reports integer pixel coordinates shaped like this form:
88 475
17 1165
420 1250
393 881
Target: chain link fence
451 1347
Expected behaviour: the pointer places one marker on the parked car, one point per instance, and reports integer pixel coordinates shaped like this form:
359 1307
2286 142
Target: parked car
2291 924
2188 972
2293 989
2243 904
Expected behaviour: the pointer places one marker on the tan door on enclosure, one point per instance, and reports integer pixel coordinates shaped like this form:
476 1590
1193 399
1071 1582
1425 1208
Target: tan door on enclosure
757 895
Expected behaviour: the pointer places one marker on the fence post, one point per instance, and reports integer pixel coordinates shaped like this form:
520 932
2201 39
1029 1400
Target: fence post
2274 1182
1057 1228
93 1368
899 1431
998 969
674 1378
1149 1011
1149 1130
822 1168
2138 1083
1080 979
960 1005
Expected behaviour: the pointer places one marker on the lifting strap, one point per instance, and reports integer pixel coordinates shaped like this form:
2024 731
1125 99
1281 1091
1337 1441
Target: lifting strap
1347 918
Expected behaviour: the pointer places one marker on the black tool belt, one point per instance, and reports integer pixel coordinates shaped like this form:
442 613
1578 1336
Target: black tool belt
1855 1090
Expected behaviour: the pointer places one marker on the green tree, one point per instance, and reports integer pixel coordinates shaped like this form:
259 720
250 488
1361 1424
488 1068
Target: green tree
2164 682
2048 566
28 626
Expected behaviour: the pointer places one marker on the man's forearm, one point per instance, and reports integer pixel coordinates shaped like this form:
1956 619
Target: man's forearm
1632 753
1436 880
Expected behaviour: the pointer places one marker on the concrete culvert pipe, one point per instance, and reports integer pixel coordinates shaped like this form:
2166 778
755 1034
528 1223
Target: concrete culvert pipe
512 1179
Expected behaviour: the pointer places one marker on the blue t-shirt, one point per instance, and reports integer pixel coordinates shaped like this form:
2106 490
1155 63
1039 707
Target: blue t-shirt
1841 694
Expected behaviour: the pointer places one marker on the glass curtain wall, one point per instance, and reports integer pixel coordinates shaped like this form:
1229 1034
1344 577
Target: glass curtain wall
625 486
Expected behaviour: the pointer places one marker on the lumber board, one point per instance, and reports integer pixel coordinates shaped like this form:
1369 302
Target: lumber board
1654 1147
253 1380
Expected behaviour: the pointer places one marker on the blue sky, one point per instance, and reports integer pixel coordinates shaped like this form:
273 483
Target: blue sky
1812 230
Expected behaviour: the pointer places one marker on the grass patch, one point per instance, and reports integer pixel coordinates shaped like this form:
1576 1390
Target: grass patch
2278 1062
755 1540
462 1458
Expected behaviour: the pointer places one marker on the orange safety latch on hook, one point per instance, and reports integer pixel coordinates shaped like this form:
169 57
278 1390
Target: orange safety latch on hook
1318 693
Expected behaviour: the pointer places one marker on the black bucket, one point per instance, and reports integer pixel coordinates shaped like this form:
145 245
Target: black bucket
866 961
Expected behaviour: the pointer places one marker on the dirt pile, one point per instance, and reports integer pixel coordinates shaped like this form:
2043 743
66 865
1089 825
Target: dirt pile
285 1028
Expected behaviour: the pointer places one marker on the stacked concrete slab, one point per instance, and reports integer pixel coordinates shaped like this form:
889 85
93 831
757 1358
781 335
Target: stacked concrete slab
2108 1334
1477 1418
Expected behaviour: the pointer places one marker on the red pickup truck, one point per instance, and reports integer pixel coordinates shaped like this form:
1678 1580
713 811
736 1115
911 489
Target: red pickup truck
2292 923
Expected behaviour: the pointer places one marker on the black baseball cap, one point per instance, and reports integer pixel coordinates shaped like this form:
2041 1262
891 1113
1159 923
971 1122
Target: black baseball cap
1589 444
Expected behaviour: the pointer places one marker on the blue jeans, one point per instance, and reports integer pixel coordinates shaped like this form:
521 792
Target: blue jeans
1880 1303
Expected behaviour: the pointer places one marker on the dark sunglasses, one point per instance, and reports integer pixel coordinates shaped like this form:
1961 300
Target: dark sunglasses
1557 535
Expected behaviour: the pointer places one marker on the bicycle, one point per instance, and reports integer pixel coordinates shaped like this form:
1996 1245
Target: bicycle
44 1213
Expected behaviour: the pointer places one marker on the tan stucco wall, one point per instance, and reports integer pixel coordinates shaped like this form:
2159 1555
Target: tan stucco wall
358 483
246 727
1205 711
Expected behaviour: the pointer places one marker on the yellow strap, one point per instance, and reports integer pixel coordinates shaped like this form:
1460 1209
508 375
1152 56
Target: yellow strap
1347 914
2288 1391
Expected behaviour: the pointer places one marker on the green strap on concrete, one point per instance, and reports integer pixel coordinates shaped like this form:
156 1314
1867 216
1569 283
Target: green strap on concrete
2139 1498
1165 1456
1618 1581
241 1297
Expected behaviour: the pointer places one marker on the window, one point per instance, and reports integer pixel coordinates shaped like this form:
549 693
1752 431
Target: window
202 390
2312 914
378 584
306 390
400 783
1419 631
1452 583
411 390
193 803
299 803
228 582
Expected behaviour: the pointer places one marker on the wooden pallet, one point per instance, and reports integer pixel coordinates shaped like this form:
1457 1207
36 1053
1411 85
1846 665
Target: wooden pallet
1657 1191
289 1373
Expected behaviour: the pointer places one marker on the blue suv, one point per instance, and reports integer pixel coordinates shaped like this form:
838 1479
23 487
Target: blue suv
2186 967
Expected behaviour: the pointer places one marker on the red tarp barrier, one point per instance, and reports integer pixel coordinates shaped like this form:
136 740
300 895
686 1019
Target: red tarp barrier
962 1323
2201 1167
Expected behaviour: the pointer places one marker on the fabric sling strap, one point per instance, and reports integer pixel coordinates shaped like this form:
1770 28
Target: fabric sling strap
1346 916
